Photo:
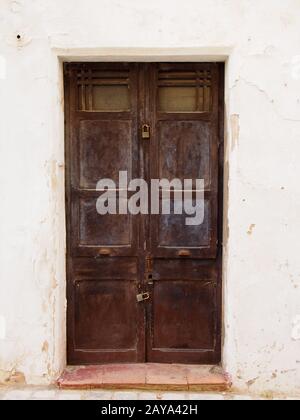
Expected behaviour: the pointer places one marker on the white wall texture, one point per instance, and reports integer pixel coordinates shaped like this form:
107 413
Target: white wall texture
260 40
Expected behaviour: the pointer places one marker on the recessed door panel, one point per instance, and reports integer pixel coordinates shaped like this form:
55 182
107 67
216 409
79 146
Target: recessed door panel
184 149
105 150
115 230
174 233
105 313
177 304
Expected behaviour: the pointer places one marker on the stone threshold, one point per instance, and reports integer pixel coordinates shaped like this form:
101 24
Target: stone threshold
146 376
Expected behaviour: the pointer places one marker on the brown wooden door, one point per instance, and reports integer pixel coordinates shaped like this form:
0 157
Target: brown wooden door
114 258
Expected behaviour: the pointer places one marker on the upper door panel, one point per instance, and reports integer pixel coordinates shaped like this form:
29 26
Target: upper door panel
103 114
185 112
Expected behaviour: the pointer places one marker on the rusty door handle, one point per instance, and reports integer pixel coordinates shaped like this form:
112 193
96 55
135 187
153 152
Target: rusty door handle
104 252
184 253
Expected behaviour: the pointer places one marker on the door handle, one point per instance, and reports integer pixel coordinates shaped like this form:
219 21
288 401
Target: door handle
184 253
104 252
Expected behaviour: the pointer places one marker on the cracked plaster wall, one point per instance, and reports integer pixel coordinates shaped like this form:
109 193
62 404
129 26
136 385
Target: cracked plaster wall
260 40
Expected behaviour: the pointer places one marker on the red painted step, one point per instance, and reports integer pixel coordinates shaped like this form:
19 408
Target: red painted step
146 376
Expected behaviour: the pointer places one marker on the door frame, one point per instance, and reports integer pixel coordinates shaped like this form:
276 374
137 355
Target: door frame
64 55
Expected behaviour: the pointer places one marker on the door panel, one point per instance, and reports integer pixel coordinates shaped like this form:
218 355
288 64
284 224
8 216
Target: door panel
183 315
113 259
186 146
103 141
184 150
114 230
174 234
102 300
177 304
105 149
184 312
105 323
110 300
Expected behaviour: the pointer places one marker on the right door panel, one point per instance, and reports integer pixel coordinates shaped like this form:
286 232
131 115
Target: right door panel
184 314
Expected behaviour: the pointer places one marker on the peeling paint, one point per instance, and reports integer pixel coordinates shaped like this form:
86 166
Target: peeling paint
12 377
251 228
251 382
51 168
45 347
235 130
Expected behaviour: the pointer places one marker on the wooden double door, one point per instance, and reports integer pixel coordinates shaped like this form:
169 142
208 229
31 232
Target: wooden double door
145 287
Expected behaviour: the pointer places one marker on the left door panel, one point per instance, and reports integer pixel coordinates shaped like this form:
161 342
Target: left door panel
105 322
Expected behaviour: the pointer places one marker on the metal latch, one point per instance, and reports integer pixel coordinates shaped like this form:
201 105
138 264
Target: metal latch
146 131
142 297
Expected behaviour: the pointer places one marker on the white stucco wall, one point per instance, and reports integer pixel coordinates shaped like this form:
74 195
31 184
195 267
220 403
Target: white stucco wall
260 40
